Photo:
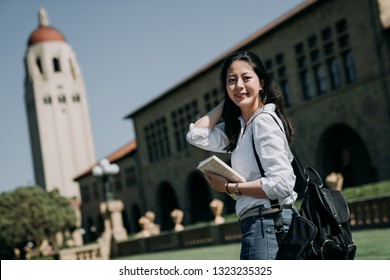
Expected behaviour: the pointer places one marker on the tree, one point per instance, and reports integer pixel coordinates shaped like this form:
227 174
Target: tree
30 214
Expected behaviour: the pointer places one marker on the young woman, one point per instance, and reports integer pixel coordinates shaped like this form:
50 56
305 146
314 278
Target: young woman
253 107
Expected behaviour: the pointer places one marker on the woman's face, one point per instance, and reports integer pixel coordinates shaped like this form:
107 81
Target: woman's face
243 86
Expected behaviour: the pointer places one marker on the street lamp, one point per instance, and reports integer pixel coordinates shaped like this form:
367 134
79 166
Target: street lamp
105 170
110 208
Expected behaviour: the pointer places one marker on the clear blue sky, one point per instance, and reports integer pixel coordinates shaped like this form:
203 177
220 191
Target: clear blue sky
129 51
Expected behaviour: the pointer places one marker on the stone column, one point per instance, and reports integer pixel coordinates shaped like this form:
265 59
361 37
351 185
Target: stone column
113 224
118 231
76 234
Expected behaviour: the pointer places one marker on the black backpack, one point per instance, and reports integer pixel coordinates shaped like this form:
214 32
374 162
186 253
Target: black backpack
321 231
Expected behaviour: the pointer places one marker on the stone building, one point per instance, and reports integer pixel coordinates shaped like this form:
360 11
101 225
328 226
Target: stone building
124 185
331 59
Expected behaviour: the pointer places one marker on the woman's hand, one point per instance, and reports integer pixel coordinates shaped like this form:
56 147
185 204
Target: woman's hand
217 182
252 188
211 118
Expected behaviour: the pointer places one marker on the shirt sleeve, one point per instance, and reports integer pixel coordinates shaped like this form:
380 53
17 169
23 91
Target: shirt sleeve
211 139
275 157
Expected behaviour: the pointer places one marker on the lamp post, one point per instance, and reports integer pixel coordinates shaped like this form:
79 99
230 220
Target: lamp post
105 170
110 208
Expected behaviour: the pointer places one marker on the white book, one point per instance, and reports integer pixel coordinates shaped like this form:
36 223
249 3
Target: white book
218 166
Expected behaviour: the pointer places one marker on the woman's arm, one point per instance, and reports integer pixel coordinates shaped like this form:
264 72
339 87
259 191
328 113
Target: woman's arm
252 188
274 153
207 133
211 118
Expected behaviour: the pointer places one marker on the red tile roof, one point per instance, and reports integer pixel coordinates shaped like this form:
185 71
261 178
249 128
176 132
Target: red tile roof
115 156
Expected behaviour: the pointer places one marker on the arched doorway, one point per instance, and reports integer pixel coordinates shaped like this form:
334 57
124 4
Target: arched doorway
167 201
125 220
135 215
342 150
90 231
200 197
100 224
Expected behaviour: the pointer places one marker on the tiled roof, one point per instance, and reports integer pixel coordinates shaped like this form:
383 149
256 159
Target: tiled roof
115 156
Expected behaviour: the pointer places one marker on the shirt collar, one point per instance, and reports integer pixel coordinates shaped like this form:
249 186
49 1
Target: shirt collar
270 107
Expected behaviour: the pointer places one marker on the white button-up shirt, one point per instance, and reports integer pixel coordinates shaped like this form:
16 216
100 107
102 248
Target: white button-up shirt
271 146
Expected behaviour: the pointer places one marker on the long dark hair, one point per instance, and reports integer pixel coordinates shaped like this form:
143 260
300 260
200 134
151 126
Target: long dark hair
271 94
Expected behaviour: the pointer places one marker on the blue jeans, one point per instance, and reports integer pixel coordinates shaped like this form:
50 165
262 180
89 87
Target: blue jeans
258 236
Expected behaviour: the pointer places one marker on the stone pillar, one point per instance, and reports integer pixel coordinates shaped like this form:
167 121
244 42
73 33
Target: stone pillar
76 234
113 228
104 241
113 224
77 237
119 232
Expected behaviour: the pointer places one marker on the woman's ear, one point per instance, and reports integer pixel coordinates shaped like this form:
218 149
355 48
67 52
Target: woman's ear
262 83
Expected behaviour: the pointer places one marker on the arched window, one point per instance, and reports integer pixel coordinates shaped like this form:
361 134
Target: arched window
39 64
56 64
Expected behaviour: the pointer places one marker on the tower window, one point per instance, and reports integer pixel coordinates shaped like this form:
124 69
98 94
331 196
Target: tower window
62 99
56 64
76 97
39 64
47 99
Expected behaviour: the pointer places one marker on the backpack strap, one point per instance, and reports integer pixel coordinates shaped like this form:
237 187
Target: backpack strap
278 219
274 202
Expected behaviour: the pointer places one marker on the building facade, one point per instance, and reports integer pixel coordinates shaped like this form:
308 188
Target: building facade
124 186
57 111
331 59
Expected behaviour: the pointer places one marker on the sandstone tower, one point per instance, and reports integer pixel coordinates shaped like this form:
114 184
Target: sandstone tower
57 111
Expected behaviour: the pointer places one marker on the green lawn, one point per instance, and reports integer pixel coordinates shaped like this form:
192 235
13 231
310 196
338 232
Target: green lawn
373 244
